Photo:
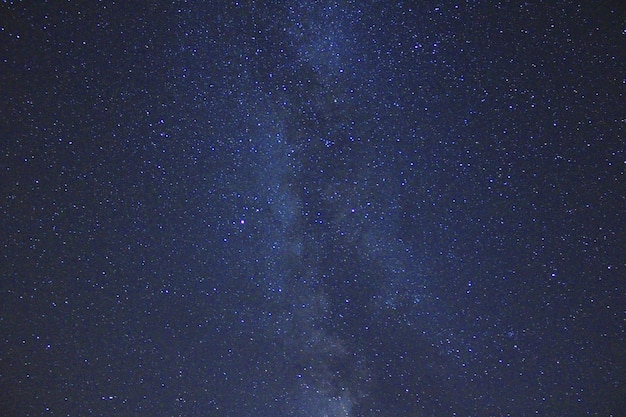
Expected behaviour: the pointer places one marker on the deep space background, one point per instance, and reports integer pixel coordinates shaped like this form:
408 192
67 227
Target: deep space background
312 208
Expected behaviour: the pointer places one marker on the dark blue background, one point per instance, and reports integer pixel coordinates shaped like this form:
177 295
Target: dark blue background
312 208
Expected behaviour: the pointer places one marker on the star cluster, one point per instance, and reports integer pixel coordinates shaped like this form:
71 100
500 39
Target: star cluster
312 208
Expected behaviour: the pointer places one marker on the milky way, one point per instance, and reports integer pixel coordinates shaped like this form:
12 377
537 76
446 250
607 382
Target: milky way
312 209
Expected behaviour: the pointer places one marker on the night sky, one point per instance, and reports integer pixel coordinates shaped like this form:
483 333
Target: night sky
312 208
